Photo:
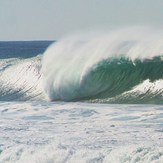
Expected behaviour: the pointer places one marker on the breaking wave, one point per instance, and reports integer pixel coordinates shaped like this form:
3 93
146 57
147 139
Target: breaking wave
122 66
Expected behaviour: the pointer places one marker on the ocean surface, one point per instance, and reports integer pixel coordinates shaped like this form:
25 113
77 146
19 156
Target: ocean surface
84 98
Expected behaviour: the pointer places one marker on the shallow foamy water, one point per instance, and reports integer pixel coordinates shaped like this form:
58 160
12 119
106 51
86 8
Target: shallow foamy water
41 132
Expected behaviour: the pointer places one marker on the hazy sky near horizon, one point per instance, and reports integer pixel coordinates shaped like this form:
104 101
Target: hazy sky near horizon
52 19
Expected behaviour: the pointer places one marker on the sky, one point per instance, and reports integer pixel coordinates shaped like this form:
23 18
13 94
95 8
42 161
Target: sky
52 19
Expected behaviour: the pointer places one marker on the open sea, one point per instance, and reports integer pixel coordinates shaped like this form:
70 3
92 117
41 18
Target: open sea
82 99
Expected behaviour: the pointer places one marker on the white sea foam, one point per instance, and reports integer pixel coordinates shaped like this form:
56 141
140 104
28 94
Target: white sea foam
79 132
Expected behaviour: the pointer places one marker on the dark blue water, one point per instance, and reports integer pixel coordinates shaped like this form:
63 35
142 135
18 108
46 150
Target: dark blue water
22 49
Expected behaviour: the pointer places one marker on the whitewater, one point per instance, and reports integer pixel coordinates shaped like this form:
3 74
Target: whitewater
90 97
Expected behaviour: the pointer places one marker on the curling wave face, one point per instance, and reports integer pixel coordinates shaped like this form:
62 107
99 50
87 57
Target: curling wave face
20 79
123 66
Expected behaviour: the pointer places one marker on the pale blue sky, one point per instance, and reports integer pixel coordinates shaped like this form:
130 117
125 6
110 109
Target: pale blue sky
52 19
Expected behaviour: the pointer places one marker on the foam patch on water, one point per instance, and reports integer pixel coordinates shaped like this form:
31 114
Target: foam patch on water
58 154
